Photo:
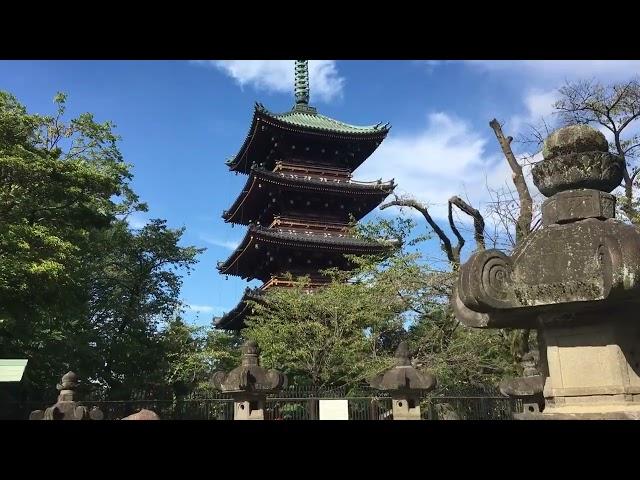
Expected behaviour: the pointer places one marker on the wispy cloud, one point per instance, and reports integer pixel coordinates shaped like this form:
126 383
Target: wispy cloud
447 157
228 244
556 71
539 105
278 75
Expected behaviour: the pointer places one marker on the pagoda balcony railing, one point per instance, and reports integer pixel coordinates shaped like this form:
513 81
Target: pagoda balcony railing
312 232
313 170
303 224
347 181
275 281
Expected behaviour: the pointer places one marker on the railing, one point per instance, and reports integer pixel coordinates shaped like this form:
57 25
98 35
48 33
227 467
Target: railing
469 408
295 404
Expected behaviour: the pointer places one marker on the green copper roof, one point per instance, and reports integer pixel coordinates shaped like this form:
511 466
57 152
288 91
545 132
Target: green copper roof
307 117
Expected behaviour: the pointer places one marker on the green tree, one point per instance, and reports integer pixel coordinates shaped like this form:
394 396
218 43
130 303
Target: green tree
135 286
194 353
79 289
347 331
330 338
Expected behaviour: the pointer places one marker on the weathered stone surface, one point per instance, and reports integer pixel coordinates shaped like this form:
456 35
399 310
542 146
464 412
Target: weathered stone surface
143 414
529 388
249 384
574 139
618 415
66 408
572 205
597 170
405 384
403 376
576 280
584 265
249 376
522 387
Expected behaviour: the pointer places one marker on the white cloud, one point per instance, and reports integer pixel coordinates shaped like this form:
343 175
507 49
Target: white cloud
446 158
558 70
278 76
539 105
228 244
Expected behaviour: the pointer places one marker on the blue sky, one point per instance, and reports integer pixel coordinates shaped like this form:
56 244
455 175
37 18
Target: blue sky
180 120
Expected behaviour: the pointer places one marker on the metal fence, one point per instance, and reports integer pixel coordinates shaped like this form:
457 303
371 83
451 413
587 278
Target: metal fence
290 407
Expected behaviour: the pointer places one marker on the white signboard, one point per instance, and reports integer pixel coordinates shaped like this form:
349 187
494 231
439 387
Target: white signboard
334 409
12 370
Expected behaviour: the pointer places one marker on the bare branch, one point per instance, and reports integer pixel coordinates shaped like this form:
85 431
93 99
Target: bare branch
455 230
444 239
478 221
523 225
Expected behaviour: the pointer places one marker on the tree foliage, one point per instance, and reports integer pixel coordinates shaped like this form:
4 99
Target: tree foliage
344 333
79 289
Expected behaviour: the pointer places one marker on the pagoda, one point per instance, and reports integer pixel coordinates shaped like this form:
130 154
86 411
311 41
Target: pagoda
299 200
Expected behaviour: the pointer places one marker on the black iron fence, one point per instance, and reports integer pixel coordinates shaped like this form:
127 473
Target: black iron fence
299 406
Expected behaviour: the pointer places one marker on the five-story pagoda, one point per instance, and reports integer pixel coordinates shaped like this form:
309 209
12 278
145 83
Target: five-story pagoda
299 197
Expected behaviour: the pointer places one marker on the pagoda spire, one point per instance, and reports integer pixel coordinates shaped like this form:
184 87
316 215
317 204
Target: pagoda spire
302 82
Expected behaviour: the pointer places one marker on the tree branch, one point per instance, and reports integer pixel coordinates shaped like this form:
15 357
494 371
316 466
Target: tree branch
478 221
444 239
523 225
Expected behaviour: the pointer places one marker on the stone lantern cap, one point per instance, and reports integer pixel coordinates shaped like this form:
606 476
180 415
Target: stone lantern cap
249 377
530 384
577 157
403 377
69 381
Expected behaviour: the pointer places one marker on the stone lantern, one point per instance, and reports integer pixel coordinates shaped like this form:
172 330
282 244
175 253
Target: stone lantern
67 408
405 383
249 384
528 388
576 280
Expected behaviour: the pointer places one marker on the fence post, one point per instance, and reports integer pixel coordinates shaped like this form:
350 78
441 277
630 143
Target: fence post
312 408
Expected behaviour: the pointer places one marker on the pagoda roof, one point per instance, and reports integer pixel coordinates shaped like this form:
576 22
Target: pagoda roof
234 319
242 261
309 119
300 182
303 119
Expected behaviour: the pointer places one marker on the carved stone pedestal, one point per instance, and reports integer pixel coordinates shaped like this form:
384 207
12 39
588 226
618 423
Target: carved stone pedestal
406 406
248 407
593 370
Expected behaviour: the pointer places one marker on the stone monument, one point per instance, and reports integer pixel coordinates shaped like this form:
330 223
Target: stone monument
67 408
405 383
576 280
249 384
528 388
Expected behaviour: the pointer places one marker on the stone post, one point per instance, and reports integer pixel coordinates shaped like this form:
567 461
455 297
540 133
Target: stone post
66 408
249 384
406 384
576 280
